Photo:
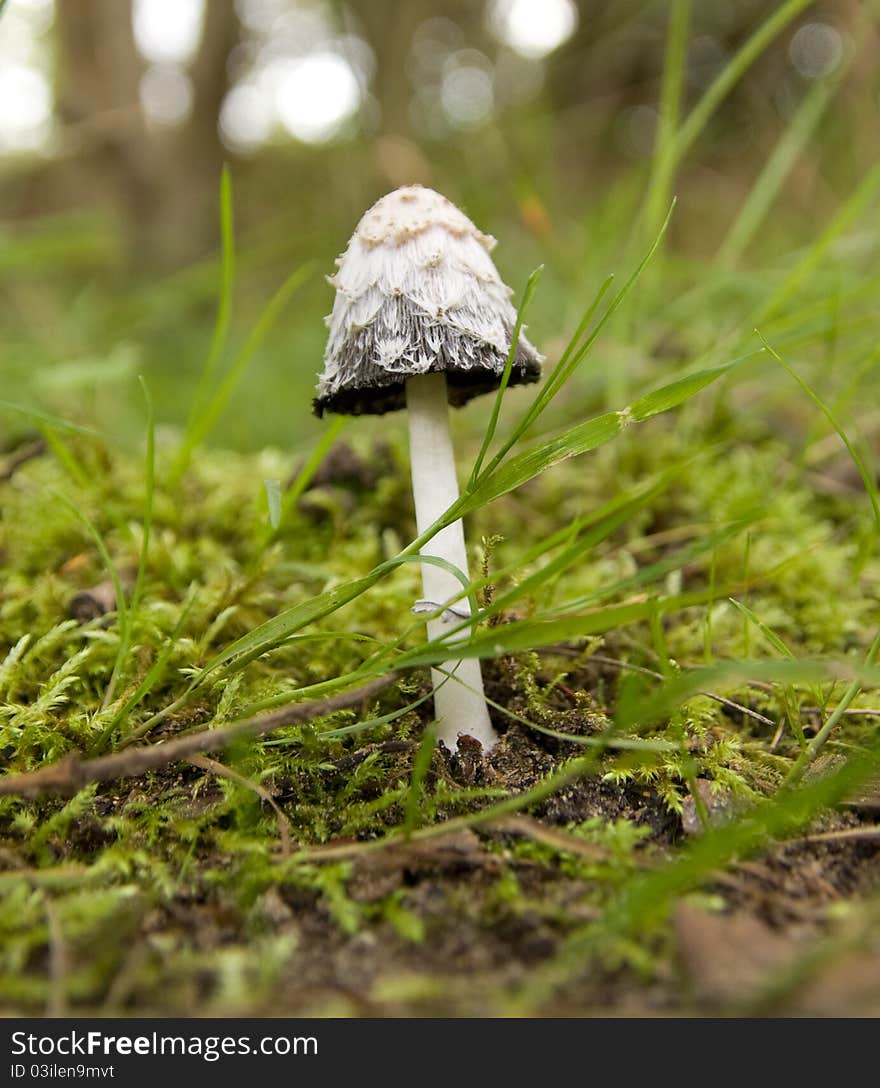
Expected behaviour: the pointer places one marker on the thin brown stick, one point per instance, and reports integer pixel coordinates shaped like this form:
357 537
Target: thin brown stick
530 828
444 834
56 1002
851 711
205 763
126 978
20 457
849 834
59 874
614 663
511 824
70 774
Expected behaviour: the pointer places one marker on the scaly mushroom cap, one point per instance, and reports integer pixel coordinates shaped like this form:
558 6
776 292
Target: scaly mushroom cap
416 291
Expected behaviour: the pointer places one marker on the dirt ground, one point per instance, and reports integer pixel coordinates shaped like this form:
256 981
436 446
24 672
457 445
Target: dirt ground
491 920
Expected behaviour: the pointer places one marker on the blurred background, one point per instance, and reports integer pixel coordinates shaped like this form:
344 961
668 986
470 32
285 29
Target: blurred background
538 117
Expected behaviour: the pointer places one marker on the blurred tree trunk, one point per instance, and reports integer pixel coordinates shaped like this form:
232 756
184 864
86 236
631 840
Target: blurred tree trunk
389 26
99 70
162 182
192 154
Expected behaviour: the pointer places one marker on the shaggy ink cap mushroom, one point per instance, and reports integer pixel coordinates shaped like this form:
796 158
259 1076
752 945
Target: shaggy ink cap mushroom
417 293
422 320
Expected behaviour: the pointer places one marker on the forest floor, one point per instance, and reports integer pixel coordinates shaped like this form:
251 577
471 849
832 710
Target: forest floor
345 866
220 791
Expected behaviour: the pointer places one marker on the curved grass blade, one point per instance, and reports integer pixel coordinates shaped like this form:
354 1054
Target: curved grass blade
580 439
205 420
531 284
305 475
522 635
776 169
224 306
40 417
663 161
867 476
727 79
572 356
848 214
672 694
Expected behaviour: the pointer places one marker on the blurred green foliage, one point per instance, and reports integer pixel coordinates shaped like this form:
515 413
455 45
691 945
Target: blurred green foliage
558 177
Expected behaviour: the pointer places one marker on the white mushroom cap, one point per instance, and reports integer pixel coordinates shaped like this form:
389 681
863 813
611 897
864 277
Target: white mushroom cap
416 292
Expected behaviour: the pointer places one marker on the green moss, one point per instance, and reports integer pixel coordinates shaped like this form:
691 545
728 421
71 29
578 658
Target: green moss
173 891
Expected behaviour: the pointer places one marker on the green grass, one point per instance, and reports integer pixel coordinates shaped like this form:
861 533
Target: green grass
231 614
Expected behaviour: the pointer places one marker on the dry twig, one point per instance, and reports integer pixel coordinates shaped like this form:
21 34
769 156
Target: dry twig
629 666
205 763
70 774
20 457
56 1002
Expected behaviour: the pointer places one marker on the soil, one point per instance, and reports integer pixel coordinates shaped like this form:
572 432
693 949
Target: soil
475 957
479 952
484 919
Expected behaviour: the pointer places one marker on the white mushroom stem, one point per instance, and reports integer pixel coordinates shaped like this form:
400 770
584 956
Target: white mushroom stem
459 702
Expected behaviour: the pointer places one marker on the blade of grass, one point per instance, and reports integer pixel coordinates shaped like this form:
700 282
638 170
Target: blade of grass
771 636
56 422
564 367
789 699
420 767
663 161
846 215
224 305
272 489
868 478
653 572
582 438
370 723
732 72
818 742
776 169
149 488
126 619
531 284
522 635
641 710
64 456
559 625
795 137
572 357
216 405
306 473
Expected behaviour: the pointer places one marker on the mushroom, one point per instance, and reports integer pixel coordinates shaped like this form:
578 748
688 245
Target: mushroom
422 320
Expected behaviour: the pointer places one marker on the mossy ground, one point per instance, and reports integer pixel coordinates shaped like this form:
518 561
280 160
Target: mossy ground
680 623
173 893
